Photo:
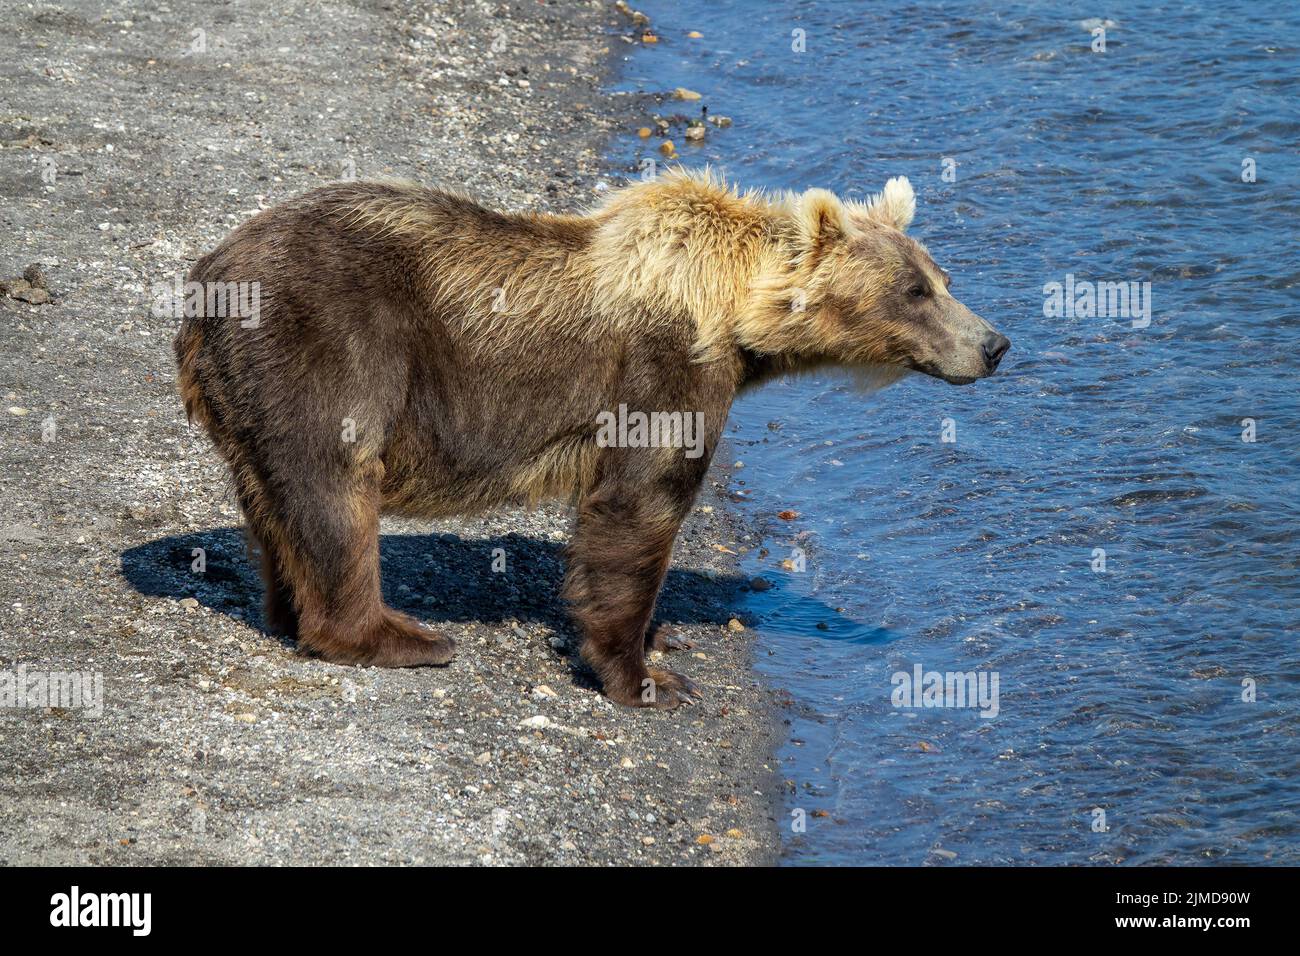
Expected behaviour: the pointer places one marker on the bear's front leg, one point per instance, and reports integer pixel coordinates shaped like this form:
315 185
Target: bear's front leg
617 561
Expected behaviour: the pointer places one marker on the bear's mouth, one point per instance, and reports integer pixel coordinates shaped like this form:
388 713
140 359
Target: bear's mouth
929 368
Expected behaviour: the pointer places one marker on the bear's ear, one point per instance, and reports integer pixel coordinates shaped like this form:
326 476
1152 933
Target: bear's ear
820 218
895 206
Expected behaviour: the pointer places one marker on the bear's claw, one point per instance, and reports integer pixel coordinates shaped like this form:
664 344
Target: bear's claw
671 689
668 638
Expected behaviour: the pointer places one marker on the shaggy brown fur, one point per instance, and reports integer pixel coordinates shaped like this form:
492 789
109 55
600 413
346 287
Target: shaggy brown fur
420 354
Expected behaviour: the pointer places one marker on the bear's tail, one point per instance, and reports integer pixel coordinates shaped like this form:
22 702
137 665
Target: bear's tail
187 343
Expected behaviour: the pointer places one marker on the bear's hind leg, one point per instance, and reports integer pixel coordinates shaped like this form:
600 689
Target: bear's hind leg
280 615
262 535
333 563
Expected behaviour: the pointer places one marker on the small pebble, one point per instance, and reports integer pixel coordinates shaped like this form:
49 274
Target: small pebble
35 275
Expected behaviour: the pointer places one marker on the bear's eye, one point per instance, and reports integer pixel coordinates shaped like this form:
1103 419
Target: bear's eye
917 292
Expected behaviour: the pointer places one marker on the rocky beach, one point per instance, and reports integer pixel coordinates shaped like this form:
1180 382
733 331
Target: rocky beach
133 137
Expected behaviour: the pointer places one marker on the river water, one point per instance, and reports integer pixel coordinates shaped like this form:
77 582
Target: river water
1111 532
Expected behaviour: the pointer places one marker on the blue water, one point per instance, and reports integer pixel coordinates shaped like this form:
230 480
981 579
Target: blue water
1119 690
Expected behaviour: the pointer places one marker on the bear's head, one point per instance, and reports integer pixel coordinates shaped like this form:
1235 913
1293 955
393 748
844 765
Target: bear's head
854 290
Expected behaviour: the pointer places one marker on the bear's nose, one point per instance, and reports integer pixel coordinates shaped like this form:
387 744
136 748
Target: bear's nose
994 347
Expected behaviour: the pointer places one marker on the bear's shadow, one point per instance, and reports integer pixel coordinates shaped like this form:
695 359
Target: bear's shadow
436 578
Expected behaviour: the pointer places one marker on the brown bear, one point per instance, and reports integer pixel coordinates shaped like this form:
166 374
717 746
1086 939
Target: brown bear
414 352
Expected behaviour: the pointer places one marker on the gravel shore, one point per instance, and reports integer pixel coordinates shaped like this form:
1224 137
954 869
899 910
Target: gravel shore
132 138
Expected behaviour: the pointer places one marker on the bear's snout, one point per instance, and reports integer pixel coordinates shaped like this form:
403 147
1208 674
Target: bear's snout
994 347
965 347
